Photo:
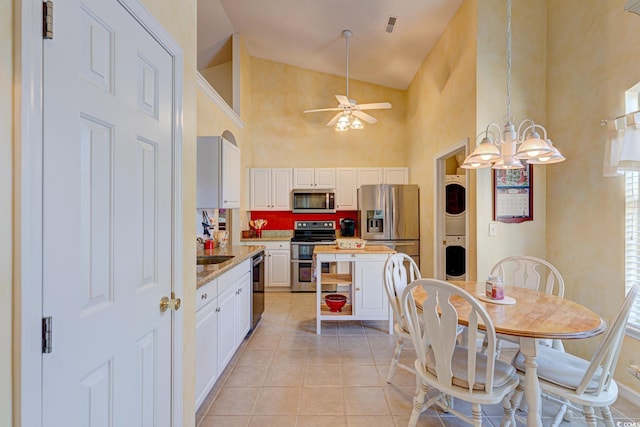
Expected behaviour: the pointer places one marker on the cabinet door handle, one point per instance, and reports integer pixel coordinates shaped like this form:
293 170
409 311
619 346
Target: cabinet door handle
204 296
357 289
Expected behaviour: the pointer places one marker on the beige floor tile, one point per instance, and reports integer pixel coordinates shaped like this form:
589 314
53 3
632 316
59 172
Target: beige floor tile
284 353
323 400
263 341
356 356
361 375
323 356
284 376
277 401
365 401
234 401
322 421
246 376
273 421
256 356
224 421
370 421
315 375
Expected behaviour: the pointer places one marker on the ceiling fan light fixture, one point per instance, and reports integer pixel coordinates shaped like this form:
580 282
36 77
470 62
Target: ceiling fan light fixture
356 124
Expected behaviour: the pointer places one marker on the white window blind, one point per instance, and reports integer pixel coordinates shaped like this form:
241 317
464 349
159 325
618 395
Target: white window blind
632 246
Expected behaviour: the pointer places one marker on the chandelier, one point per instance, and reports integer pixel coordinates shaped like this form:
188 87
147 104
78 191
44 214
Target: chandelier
507 149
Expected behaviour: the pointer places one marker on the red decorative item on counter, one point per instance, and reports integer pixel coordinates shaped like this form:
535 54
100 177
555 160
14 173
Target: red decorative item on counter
208 245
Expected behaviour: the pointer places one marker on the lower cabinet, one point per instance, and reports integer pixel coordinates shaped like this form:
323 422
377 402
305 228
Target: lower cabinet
223 319
369 300
206 340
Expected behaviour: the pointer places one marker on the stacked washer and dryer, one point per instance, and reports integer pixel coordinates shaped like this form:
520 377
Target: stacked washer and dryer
455 227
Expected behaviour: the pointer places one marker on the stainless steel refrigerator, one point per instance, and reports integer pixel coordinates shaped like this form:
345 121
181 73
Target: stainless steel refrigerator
389 215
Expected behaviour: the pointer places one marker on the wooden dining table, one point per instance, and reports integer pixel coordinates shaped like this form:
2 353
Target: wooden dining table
535 315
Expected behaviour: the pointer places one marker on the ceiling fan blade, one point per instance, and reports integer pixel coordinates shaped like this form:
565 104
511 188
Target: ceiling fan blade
343 100
364 116
374 106
334 120
323 109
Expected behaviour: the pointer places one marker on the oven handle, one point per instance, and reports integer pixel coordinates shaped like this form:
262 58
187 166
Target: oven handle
301 261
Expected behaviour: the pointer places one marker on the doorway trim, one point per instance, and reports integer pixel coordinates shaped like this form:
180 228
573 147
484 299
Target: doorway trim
439 207
28 208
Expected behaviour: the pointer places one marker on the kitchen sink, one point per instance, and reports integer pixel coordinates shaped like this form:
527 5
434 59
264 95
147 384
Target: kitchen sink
212 259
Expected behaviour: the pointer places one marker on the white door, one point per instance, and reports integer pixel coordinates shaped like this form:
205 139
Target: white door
107 208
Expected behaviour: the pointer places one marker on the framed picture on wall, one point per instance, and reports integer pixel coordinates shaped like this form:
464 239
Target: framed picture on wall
513 194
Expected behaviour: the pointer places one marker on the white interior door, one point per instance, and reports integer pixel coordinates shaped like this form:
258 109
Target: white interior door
107 217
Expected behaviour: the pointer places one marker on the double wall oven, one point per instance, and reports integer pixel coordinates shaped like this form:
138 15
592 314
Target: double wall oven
306 235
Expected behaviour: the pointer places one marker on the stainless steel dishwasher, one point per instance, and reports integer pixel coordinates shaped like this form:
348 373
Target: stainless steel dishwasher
257 300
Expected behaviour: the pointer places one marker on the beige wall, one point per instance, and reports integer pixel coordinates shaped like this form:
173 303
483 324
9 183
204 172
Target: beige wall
440 113
592 60
6 206
282 136
528 100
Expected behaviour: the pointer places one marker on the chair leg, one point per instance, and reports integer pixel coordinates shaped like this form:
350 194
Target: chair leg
516 398
559 416
418 402
395 359
606 415
509 417
476 413
590 416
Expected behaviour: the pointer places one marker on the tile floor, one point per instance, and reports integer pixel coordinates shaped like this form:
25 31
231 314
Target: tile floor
286 375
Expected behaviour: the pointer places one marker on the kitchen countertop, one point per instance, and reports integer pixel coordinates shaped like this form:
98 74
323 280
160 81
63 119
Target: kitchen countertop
206 273
330 249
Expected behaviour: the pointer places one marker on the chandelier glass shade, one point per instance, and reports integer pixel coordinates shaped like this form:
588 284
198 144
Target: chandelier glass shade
506 148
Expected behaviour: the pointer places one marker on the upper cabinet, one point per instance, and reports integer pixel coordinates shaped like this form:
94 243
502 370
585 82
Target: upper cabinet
270 189
314 178
396 175
369 176
375 176
346 189
218 173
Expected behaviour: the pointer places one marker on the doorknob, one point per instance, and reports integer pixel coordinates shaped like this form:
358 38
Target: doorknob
166 303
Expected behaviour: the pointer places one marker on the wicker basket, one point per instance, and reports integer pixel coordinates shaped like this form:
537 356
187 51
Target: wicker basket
351 243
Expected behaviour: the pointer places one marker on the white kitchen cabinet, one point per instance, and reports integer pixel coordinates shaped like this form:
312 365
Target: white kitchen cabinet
226 327
314 178
223 319
362 284
369 300
243 308
218 173
370 176
396 175
206 340
270 189
277 264
346 189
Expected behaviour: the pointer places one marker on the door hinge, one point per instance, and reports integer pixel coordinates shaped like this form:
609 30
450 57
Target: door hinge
47 19
47 332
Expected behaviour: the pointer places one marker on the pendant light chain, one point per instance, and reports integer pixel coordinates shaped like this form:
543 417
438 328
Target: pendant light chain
508 117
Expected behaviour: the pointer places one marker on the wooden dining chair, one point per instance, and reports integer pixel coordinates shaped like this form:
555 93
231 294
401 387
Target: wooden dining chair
399 271
534 273
455 370
578 384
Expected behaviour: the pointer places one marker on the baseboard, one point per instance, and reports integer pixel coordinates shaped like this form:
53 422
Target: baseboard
629 394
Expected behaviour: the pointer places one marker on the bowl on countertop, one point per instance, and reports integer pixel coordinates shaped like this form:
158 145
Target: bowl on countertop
335 302
351 243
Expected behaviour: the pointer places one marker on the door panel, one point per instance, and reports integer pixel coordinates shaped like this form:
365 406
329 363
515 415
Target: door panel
107 159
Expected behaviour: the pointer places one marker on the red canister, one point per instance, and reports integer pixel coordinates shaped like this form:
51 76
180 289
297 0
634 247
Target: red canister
208 244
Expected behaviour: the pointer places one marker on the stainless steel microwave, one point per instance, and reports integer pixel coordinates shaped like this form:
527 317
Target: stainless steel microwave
313 201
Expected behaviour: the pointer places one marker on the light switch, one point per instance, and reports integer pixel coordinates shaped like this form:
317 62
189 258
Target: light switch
493 229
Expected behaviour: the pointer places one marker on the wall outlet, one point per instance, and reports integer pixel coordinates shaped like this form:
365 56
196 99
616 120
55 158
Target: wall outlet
493 229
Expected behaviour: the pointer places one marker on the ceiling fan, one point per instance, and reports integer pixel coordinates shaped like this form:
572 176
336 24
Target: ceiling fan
350 112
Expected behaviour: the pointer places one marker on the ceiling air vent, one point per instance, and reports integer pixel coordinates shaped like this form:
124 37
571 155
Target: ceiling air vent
391 22
632 6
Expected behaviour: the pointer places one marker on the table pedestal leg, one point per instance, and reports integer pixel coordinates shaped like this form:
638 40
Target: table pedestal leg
531 385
